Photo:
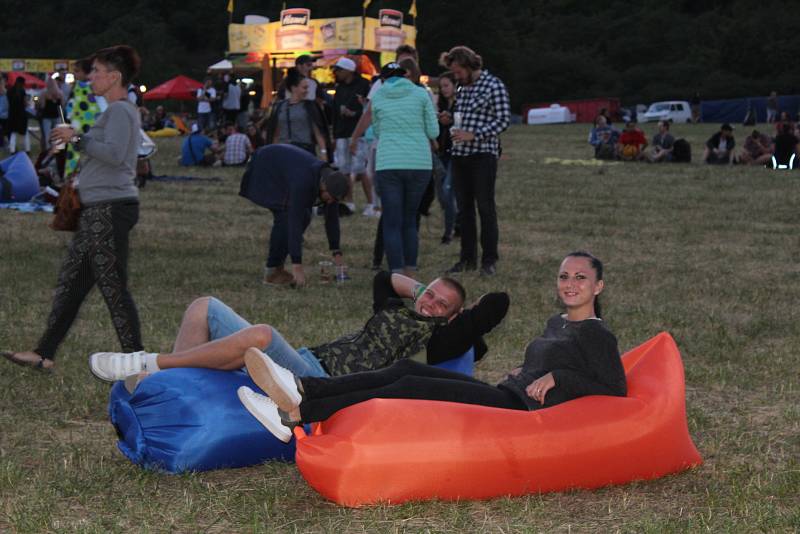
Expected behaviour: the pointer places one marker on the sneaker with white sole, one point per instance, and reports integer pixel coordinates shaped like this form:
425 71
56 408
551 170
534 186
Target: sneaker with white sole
274 380
266 411
113 366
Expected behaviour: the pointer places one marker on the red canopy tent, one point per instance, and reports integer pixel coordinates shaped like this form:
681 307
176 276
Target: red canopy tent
31 81
178 88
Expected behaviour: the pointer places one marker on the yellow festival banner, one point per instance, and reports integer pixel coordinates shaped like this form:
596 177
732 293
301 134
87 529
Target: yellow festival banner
34 65
387 32
298 32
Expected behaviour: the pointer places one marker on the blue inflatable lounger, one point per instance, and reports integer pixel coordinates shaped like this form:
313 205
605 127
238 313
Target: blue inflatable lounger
192 420
18 179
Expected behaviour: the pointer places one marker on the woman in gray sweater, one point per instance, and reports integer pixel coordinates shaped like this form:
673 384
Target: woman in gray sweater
98 253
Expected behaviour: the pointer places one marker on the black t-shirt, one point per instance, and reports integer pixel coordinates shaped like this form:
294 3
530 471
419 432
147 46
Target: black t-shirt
50 109
785 146
347 95
583 357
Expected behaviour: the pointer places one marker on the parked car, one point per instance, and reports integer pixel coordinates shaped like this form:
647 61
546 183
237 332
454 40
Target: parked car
671 110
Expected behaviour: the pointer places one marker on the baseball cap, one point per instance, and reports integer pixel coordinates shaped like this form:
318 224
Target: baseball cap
345 63
392 69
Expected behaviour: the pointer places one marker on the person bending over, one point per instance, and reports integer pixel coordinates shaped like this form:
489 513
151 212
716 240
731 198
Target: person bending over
575 356
213 336
289 182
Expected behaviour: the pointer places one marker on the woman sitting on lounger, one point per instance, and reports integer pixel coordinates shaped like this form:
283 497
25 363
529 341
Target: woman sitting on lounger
575 356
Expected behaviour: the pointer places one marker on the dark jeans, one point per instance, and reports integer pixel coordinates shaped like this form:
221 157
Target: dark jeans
278 247
377 248
474 178
205 121
405 379
98 254
713 159
447 197
401 194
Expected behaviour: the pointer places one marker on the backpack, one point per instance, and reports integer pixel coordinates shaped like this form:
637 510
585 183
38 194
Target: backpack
681 151
605 151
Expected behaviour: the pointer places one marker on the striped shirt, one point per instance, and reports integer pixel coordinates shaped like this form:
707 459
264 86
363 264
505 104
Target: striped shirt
486 112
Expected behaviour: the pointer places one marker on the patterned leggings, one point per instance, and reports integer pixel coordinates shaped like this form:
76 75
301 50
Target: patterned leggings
98 254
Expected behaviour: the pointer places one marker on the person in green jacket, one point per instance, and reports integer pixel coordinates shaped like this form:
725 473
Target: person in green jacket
405 122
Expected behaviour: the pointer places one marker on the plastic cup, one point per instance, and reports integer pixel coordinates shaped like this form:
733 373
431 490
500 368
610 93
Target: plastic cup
458 119
341 274
58 147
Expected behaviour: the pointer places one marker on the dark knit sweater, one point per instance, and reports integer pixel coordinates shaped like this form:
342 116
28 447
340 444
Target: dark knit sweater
583 357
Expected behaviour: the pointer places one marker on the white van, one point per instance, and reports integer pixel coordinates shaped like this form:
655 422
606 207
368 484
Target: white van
671 110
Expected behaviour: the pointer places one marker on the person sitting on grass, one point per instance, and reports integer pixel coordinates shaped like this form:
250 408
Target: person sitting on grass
603 138
575 356
719 146
631 144
194 147
663 141
237 147
786 149
756 150
213 336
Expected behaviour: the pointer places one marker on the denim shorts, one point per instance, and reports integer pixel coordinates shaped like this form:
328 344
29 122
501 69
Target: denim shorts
223 321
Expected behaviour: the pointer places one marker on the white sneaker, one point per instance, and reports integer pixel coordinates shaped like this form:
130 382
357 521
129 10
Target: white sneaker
113 366
370 211
264 409
277 382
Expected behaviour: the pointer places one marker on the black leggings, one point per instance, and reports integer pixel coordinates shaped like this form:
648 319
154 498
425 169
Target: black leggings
98 254
405 379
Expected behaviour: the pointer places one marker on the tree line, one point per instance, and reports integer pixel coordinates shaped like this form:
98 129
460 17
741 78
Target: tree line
543 49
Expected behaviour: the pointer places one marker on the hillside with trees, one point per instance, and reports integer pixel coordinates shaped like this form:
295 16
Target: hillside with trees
543 49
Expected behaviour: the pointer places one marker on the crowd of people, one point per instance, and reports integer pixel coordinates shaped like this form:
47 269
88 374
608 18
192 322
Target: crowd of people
777 151
575 356
403 143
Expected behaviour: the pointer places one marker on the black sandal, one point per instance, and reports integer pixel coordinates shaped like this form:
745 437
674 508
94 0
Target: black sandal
12 357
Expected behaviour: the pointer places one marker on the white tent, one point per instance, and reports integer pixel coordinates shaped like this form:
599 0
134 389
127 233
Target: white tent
223 65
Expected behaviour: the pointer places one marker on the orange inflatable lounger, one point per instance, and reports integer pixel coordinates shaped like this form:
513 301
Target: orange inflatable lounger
395 450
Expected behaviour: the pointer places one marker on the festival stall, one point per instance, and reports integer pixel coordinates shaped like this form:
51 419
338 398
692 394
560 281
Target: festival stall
369 41
29 68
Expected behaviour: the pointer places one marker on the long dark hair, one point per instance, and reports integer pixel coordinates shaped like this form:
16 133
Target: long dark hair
597 265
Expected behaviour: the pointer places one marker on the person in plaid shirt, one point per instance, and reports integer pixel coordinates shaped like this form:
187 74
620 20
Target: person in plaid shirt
237 147
483 111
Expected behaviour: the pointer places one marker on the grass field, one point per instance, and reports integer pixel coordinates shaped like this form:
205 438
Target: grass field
708 254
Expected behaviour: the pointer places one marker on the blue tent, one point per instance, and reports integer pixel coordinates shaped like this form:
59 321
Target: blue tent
735 109
18 180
